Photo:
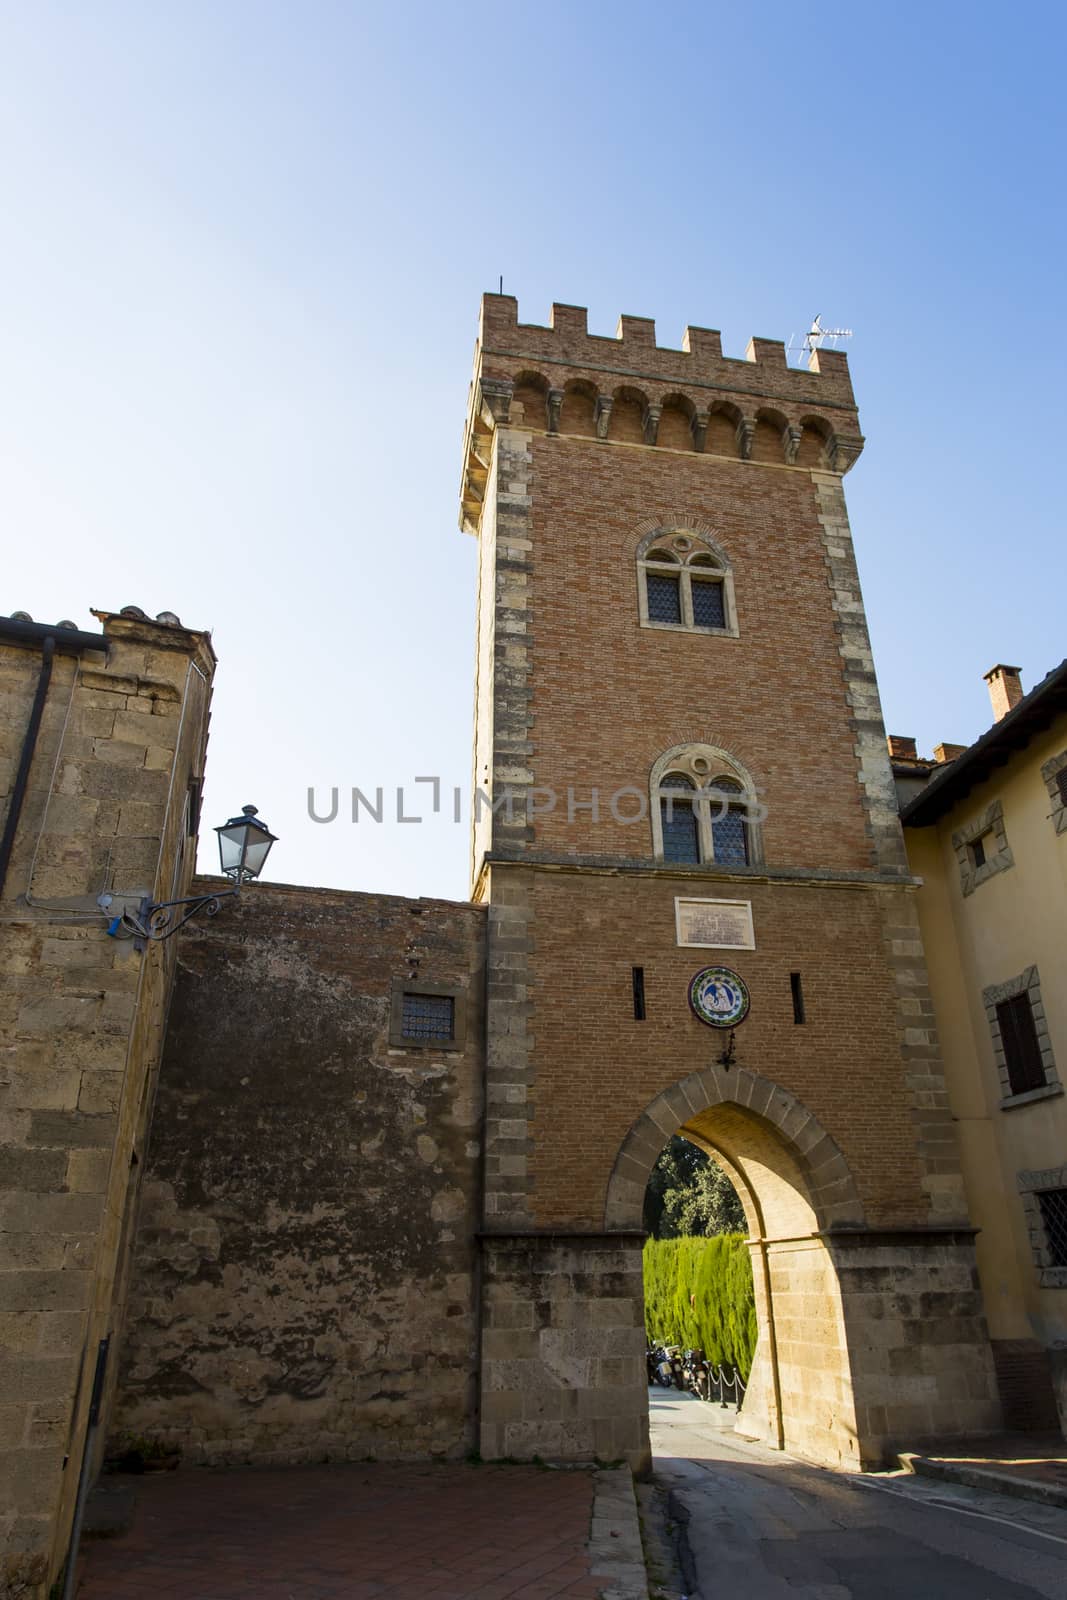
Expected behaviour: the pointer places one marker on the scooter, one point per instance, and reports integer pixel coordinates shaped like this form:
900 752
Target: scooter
697 1374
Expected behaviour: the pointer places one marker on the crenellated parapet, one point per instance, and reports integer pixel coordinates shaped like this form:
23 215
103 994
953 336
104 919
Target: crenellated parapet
561 380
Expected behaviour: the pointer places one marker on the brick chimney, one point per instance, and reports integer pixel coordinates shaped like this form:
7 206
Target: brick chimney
901 748
1005 689
944 753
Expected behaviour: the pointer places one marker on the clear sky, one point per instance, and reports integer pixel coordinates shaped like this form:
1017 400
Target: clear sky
242 246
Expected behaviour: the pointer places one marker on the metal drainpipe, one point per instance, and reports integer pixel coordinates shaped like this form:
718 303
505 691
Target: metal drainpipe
29 745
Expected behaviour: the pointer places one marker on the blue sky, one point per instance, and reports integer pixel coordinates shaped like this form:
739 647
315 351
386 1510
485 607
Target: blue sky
242 247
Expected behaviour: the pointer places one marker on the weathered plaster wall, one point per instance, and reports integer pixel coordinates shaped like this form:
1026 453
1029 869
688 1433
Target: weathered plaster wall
304 1273
1010 922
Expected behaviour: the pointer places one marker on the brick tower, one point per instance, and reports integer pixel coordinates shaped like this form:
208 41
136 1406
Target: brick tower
681 753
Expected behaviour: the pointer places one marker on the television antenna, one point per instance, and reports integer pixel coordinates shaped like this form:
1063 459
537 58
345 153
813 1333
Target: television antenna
816 337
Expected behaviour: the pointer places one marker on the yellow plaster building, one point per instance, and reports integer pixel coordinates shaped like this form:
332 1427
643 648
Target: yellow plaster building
986 831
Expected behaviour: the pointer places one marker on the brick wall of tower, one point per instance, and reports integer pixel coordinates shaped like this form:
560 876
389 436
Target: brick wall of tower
609 696
596 1066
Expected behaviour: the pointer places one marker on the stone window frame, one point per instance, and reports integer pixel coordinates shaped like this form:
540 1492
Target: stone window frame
457 992
684 544
1050 771
705 764
1031 1184
1028 982
991 821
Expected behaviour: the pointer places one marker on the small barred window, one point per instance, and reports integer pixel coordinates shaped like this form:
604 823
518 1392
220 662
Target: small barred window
428 1016
1053 1204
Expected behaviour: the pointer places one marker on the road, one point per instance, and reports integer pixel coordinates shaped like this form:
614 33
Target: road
764 1526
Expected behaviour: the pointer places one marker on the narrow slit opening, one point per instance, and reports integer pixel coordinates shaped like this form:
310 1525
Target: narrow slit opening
798 996
639 993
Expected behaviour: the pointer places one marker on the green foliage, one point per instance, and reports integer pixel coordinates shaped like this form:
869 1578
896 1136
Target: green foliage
699 1292
689 1193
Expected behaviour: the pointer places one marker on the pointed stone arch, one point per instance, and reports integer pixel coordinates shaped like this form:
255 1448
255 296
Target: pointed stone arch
795 1187
828 1182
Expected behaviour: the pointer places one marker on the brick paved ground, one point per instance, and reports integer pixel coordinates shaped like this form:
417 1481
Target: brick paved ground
350 1533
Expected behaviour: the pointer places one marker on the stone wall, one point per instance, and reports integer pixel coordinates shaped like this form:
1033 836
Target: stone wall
304 1283
564 1349
81 1020
918 1341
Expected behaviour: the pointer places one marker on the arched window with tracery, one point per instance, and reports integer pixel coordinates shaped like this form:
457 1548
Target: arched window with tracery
684 582
704 809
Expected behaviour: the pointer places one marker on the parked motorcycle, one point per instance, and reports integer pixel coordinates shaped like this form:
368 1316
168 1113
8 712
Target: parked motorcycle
697 1374
660 1366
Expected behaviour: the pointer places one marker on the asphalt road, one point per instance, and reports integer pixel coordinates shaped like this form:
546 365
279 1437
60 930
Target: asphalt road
764 1526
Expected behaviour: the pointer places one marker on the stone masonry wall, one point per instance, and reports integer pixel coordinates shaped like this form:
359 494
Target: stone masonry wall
564 1349
81 1019
304 1276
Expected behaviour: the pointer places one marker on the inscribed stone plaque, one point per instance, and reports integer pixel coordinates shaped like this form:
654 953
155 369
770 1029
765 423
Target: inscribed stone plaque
715 924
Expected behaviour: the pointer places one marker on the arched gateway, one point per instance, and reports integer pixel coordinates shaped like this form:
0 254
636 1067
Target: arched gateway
794 1185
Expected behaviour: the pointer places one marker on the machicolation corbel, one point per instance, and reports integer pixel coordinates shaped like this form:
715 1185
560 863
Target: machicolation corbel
496 396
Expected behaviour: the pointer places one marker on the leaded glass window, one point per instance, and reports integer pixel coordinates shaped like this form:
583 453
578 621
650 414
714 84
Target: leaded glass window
664 597
708 608
681 831
681 834
428 1016
698 820
728 830
683 585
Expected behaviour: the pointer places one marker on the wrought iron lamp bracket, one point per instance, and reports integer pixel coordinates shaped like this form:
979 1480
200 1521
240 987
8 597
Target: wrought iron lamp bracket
161 921
158 922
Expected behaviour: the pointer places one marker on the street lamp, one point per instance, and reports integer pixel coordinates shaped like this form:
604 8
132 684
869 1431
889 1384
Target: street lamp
244 844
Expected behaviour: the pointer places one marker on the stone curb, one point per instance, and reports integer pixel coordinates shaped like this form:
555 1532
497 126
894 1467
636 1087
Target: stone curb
615 1547
1049 1494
